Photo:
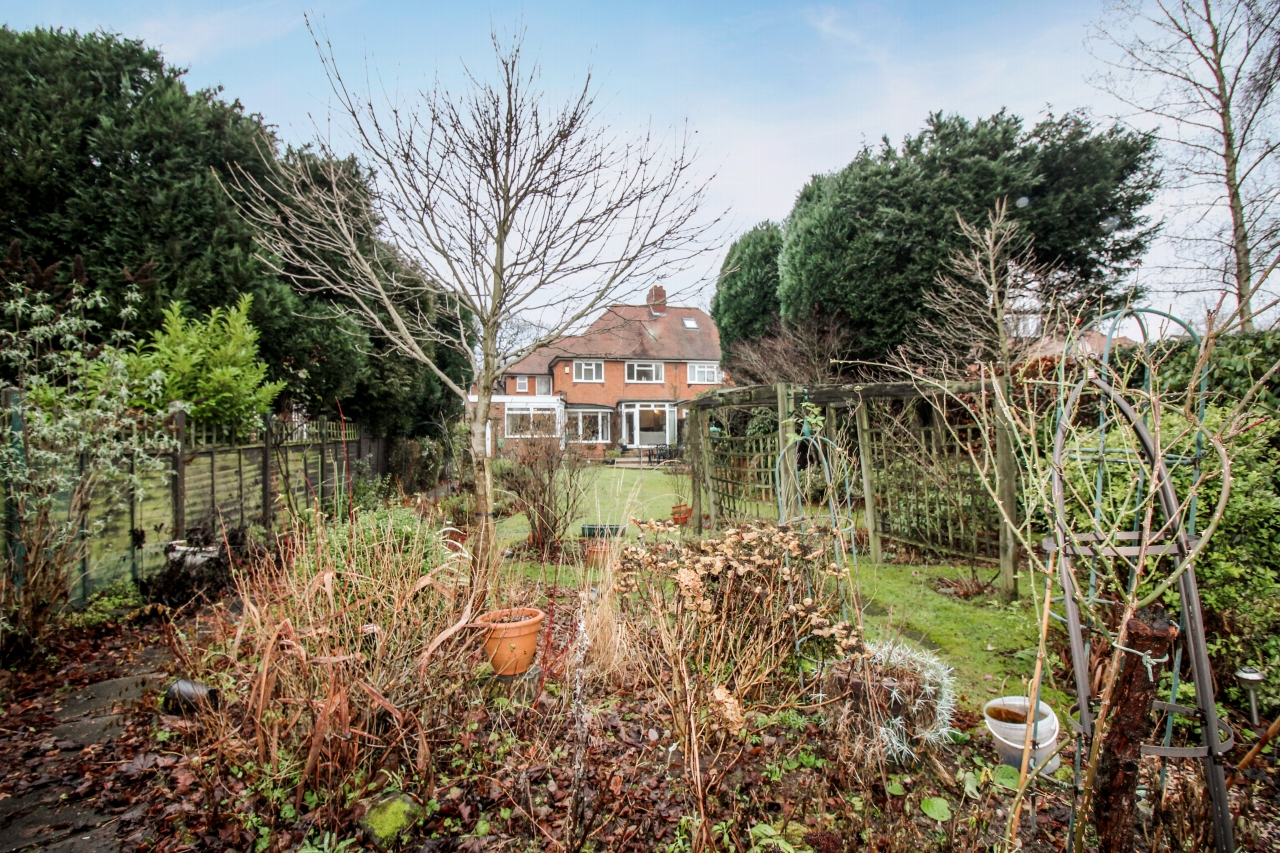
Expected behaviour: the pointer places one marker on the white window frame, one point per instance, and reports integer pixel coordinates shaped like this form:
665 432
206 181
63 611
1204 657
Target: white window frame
531 411
691 323
541 383
602 418
522 384
698 372
580 370
658 372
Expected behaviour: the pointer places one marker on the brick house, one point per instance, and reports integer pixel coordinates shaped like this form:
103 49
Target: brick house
616 384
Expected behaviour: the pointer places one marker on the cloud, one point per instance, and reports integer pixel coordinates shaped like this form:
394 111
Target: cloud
766 155
188 36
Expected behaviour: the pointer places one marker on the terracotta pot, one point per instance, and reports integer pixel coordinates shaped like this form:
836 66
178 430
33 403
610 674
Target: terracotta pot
680 513
511 645
597 555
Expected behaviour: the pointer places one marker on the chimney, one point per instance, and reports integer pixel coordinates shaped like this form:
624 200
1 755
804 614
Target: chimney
657 299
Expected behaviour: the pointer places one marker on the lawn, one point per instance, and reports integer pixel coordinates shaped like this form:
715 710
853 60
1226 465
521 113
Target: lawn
991 645
617 495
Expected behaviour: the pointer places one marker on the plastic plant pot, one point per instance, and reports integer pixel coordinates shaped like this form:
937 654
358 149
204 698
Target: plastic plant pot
511 640
1011 736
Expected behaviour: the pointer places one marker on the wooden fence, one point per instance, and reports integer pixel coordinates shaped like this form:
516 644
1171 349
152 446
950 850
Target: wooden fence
920 485
218 481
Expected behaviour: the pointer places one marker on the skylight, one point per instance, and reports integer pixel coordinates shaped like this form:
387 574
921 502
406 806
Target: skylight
690 323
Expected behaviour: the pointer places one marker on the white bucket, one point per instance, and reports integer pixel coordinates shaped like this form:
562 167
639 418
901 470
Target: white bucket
1010 737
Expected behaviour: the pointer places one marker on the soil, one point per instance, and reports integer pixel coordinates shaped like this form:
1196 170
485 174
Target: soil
88 763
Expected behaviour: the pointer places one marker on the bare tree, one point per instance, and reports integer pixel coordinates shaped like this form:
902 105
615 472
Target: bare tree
802 352
1208 70
987 306
521 217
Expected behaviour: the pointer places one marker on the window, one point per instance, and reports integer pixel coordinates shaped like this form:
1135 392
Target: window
588 371
522 384
644 371
530 422
588 426
544 385
704 374
691 322
652 420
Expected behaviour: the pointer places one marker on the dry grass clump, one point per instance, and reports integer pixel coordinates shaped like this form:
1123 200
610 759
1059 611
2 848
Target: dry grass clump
611 654
907 707
325 680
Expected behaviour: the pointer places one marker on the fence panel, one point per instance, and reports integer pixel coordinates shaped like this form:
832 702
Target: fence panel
928 492
221 488
743 475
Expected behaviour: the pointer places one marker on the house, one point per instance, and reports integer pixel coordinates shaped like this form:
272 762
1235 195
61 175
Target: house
617 383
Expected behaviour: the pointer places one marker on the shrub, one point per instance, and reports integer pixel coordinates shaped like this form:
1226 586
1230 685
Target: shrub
71 439
208 366
548 482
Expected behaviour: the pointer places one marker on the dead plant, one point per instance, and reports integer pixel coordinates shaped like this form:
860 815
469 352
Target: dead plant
328 695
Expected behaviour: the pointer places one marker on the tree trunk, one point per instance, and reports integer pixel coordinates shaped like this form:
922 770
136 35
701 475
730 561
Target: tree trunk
484 533
1115 797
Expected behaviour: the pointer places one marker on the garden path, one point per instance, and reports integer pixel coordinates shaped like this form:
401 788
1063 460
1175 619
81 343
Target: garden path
66 756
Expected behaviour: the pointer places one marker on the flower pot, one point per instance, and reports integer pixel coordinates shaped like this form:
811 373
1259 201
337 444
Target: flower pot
598 531
512 638
680 513
597 555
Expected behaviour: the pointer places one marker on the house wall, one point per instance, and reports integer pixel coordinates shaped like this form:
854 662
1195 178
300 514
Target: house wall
615 386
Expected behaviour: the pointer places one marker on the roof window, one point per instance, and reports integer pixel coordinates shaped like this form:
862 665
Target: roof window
690 322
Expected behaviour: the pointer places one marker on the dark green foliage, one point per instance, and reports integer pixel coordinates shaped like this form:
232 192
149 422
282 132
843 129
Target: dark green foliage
746 300
108 156
1239 570
865 242
1236 363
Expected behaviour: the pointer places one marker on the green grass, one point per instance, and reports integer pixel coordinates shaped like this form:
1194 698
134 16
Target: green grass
617 495
979 637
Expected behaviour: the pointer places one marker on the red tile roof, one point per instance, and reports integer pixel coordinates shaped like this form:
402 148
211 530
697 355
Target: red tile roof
633 332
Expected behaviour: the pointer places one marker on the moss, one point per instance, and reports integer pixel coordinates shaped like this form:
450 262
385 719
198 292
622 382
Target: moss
389 818
990 645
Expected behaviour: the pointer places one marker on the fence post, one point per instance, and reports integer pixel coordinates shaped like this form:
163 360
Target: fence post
1007 492
693 429
324 435
786 429
10 401
267 497
179 476
869 514
704 426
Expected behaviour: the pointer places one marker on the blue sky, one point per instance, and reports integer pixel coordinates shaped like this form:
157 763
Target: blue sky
775 91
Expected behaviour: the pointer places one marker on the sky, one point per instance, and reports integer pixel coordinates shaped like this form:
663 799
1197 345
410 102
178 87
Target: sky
776 92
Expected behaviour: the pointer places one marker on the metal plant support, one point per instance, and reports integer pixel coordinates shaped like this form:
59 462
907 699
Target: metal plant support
1174 540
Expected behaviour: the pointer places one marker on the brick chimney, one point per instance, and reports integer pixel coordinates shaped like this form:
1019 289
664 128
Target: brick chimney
657 299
